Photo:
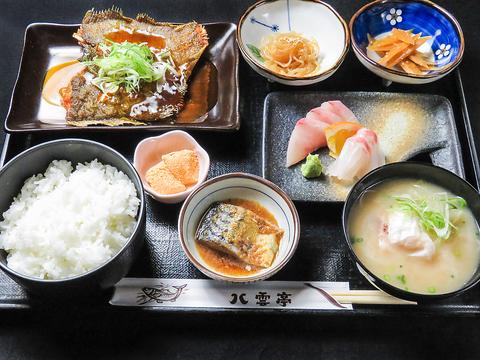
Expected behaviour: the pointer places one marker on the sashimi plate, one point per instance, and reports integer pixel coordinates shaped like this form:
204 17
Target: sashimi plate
407 126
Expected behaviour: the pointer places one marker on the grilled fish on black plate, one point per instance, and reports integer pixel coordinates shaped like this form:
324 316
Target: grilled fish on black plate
137 69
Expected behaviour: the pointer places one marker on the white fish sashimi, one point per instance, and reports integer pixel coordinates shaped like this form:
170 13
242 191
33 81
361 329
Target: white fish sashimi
323 115
307 136
378 156
360 154
340 110
353 160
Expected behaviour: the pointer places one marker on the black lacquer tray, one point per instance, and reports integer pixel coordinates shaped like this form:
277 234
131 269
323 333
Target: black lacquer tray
321 254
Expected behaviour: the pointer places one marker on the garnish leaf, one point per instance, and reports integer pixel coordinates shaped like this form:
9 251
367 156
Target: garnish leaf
256 52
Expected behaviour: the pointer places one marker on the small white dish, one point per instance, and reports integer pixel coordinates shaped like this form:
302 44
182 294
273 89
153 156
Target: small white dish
247 187
149 153
312 18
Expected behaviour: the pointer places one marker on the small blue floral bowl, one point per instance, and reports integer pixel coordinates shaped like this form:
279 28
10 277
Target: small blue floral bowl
378 17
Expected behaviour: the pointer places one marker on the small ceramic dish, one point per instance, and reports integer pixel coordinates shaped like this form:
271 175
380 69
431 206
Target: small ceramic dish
149 152
246 187
379 17
312 18
413 170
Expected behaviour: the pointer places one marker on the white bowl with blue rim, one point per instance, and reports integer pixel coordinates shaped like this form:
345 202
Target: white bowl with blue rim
446 45
311 18
246 187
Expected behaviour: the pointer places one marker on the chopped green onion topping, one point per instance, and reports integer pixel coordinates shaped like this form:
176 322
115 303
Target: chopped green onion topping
355 240
128 65
431 289
457 202
402 279
437 222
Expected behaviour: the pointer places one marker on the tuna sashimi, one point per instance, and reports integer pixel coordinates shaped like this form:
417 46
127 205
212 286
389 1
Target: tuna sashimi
360 154
340 110
307 136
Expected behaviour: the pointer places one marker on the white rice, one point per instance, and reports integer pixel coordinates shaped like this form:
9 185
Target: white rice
64 222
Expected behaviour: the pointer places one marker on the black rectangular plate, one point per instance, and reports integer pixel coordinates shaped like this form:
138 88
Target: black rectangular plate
406 124
321 253
41 39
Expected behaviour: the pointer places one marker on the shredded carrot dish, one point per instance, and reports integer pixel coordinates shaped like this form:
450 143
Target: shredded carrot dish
291 54
400 49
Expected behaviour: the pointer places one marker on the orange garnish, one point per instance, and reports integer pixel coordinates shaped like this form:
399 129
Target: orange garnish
337 133
399 48
403 35
396 52
420 61
410 67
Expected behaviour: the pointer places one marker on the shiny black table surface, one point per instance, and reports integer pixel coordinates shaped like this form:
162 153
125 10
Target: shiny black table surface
57 333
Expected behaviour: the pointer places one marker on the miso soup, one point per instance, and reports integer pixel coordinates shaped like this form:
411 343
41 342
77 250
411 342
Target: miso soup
416 236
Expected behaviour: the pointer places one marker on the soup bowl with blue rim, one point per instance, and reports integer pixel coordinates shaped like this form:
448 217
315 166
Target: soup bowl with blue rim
445 47
313 19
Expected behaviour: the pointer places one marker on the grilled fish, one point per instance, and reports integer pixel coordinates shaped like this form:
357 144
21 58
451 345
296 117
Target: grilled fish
87 105
240 233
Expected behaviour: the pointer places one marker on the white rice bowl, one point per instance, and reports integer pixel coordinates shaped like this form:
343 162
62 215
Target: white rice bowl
65 223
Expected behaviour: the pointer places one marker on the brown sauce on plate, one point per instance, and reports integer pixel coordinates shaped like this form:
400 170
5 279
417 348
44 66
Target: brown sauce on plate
135 37
225 263
201 95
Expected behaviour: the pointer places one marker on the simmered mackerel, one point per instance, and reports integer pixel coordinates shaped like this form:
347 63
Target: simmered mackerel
240 233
